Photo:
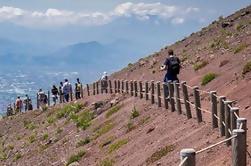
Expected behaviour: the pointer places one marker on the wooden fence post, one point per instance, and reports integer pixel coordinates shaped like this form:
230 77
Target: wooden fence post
88 89
110 86
186 100
122 86
37 103
171 95
242 123
239 148
152 92
159 94
214 109
165 92
135 88
190 154
233 118
197 103
97 87
119 90
115 86
227 103
146 90
93 88
140 90
131 87
177 96
49 98
127 87
82 91
222 115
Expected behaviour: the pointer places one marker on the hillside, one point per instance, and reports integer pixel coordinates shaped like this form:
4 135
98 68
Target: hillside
151 135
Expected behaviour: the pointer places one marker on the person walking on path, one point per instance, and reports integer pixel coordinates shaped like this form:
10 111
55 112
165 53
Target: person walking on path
54 92
67 90
78 88
104 83
172 65
19 104
9 110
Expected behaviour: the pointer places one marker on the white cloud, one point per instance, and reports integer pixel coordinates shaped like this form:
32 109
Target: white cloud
55 17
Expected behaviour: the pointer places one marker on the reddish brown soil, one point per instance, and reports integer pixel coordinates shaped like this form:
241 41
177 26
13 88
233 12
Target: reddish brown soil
169 129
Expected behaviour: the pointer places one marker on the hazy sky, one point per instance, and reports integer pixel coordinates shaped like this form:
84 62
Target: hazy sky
149 22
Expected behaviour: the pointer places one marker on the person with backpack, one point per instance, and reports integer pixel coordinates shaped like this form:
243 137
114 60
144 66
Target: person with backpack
54 92
172 65
30 107
19 104
26 102
9 110
104 82
78 88
67 90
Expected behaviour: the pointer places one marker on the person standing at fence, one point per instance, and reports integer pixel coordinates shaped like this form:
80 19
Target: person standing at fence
26 102
172 66
19 104
61 93
30 107
42 99
54 92
67 90
78 89
9 111
104 81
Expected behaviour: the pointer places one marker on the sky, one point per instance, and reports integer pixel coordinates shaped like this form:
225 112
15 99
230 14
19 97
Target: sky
149 23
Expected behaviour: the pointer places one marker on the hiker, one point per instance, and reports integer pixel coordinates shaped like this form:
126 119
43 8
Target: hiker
19 104
67 90
78 88
54 92
42 99
9 110
172 65
104 83
26 102
61 94
30 107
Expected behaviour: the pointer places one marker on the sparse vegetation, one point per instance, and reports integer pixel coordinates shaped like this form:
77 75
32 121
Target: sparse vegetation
208 78
144 120
83 120
66 110
117 145
130 126
103 128
106 162
59 130
200 65
223 63
45 136
32 138
83 142
240 48
160 153
29 125
51 119
219 43
184 57
107 141
112 111
17 156
3 155
247 67
76 157
134 113
10 147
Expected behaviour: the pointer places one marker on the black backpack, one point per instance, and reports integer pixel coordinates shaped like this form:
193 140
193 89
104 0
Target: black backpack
174 65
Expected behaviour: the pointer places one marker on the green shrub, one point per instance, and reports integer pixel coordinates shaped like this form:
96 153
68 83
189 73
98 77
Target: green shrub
32 138
103 128
130 126
17 156
240 48
159 154
200 65
246 68
45 136
134 113
76 157
66 110
208 78
51 119
84 119
117 145
112 111
106 162
29 125
83 142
